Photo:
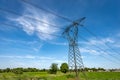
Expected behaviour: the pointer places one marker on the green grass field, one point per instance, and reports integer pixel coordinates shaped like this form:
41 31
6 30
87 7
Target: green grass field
59 76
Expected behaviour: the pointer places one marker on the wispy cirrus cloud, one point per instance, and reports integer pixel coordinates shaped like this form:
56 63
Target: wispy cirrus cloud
98 46
101 41
90 51
36 22
59 43
19 57
27 57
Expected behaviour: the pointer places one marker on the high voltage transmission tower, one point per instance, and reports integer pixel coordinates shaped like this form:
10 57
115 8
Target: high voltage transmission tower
74 57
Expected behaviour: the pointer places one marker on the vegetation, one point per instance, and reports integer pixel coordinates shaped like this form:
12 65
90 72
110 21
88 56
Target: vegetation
59 76
93 69
37 74
64 67
18 70
53 68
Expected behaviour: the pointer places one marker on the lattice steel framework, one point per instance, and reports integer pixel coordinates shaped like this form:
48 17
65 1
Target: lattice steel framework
74 57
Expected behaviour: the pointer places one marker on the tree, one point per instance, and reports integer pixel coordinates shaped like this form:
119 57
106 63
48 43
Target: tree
94 69
18 70
86 69
7 70
53 68
101 69
64 67
1 70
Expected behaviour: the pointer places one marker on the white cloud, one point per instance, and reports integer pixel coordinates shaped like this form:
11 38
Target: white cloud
95 46
108 40
89 51
98 44
34 45
58 61
118 34
19 57
32 25
46 58
102 41
28 57
117 45
58 43
101 47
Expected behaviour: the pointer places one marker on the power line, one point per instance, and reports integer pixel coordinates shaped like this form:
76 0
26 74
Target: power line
39 7
99 39
39 32
9 11
100 48
51 13
110 60
47 33
67 19
56 36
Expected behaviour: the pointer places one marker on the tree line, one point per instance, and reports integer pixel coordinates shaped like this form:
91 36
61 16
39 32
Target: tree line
53 69
19 70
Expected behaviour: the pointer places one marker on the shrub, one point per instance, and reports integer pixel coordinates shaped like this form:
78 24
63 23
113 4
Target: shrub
53 68
64 67
18 71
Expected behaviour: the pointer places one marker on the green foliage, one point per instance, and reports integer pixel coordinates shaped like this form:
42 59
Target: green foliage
60 76
70 76
101 69
53 68
64 67
43 70
18 71
31 70
7 70
93 69
1 70
103 75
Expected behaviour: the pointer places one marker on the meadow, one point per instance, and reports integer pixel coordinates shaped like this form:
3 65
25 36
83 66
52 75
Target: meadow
59 76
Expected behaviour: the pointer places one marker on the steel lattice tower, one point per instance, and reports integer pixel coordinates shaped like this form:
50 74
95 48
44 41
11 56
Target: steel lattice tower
74 57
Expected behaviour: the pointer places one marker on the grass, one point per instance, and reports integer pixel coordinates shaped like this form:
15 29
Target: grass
104 75
60 76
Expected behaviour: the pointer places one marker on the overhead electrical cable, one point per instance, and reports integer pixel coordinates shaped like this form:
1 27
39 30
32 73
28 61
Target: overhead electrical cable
116 58
39 32
15 13
55 15
39 7
67 19
101 41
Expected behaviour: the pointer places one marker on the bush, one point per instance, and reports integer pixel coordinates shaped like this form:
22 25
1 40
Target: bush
70 76
18 71
64 67
53 68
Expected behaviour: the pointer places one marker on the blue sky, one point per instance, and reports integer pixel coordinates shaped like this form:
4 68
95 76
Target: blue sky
26 42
